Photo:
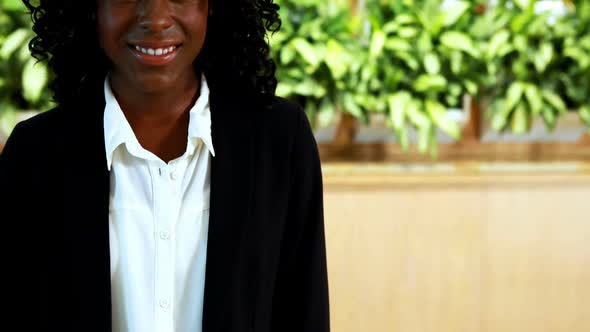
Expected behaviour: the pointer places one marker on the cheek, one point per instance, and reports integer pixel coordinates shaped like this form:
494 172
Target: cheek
105 33
109 29
198 18
200 29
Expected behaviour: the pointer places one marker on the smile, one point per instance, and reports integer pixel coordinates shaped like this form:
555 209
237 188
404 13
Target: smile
158 51
154 55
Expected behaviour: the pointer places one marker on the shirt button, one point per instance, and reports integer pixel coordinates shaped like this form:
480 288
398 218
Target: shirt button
164 235
163 303
173 175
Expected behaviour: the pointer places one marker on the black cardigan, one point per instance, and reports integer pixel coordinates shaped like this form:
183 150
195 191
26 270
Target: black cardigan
266 256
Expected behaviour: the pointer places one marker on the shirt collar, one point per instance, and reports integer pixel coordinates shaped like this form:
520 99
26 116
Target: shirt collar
117 129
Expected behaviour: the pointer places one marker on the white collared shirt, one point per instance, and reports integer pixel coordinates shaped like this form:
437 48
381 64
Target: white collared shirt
158 224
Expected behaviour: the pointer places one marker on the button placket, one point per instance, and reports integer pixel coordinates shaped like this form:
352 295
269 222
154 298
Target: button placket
164 235
164 250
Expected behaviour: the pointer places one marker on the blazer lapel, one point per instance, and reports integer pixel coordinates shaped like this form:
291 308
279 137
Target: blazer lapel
86 209
229 279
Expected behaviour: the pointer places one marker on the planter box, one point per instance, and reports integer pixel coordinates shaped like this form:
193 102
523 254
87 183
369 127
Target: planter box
377 131
569 129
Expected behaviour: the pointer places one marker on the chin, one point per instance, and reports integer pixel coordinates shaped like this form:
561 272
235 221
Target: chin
155 82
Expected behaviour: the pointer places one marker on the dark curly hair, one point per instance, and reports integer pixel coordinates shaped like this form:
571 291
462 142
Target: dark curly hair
235 55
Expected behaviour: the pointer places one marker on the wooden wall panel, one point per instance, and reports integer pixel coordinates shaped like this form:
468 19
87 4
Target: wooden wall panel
467 255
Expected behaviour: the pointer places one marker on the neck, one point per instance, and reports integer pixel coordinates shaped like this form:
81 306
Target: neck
142 105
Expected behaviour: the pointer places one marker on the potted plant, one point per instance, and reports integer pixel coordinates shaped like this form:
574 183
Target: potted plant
422 61
577 51
536 69
318 53
23 81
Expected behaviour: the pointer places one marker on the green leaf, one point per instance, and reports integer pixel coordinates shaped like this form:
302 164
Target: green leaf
404 19
579 55
456 40
456 61
287 54
523 4
424 138
454 89
407 32
431 63
311 111
554 100
433 145
499 39
585 114
34 79
377 43
326 113
454 13
514 95
13 5
403 137
352 107
390 27
416 114
13 42
409 60
438 113
309 87
520 120
398 103
397 108
534 98
334 59
309 53
397 44
543 57
284 89
500 115
471 87
427 82
425 43
518 23
549 118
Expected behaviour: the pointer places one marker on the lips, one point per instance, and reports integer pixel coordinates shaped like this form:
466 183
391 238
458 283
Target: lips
152 53
157 51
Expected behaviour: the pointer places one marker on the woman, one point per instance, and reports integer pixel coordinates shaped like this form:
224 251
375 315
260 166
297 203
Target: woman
170 189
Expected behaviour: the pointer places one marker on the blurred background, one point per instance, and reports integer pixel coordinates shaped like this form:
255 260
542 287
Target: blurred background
455 143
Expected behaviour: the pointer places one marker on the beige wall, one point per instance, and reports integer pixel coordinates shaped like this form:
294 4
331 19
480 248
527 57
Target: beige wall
449 249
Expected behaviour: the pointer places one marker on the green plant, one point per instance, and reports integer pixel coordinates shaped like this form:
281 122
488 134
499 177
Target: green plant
421 62
318 56
536 67
23 81
577 50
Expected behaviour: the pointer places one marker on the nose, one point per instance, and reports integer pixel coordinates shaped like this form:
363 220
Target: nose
154 15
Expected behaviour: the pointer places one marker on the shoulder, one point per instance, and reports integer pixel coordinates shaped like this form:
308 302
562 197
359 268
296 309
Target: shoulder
38 134
282 118
284 128
42 123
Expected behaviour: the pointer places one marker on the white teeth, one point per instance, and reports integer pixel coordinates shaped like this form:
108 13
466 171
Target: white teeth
157 52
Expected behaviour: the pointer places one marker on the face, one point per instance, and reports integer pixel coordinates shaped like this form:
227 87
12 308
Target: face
152 44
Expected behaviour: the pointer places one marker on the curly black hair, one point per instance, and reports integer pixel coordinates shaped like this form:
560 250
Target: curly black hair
236 53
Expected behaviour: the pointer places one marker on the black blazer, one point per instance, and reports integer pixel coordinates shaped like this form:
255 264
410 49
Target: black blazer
266 256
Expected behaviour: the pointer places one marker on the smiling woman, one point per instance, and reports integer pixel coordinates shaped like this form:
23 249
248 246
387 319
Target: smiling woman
170 189
235 50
